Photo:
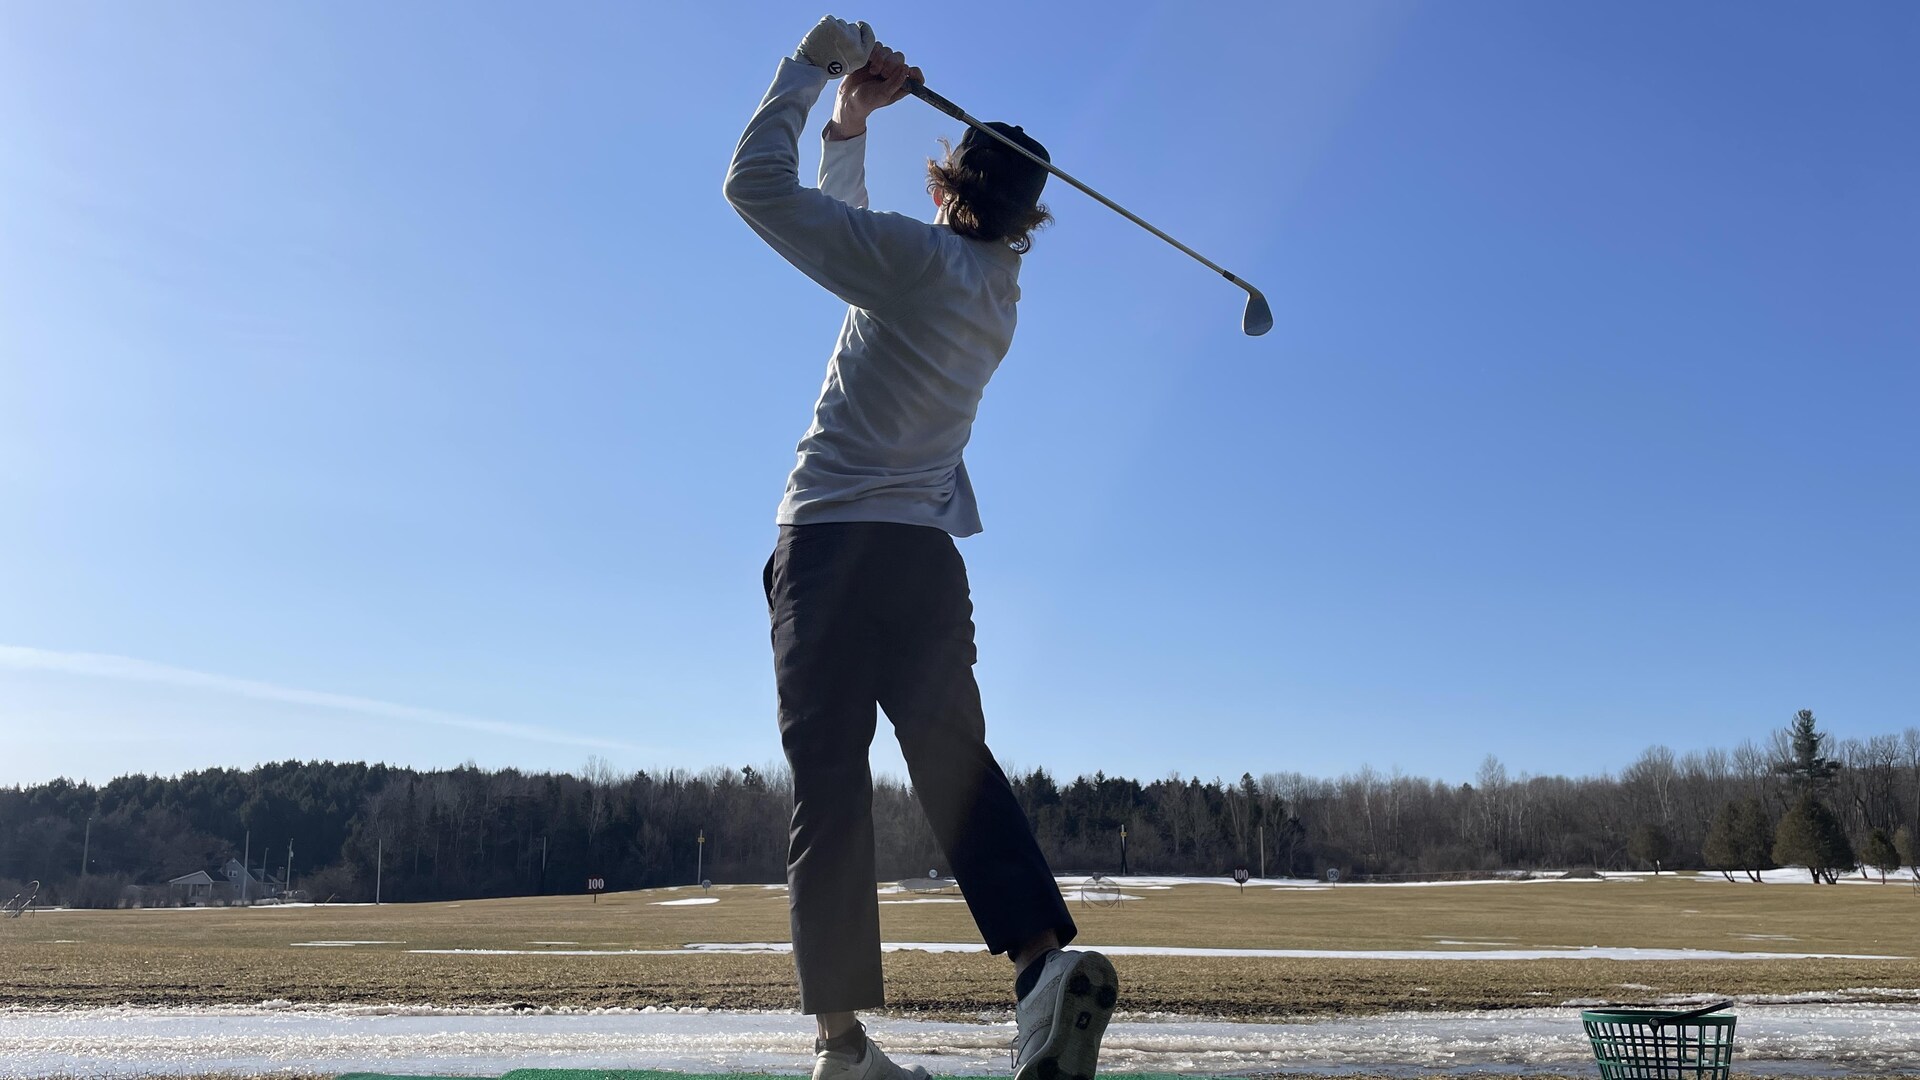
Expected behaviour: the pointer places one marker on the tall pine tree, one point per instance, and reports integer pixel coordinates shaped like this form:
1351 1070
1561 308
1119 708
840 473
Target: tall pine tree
1810 771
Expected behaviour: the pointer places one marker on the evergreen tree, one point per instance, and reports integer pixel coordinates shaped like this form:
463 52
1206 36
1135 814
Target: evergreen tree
1753 836
1739 839
1835 849
1721 850
1651 845
1811 836
1810 771
1880 854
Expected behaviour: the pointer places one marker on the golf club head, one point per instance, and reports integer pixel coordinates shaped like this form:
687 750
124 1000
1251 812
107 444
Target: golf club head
1259 317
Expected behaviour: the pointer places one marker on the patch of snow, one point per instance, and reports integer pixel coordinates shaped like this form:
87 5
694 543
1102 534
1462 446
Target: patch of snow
552 952
1476 881
690 902
928 900
1861 1039
1135 882
277 906
1823 997
1799 875
339 944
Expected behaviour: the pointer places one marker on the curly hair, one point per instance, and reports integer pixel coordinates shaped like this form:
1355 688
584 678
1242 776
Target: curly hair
978 211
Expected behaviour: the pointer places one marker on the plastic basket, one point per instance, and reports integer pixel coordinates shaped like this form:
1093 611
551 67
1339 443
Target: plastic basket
1656 1044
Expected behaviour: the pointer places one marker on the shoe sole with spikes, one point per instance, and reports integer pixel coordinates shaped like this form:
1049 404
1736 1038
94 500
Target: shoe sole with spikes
1084 1001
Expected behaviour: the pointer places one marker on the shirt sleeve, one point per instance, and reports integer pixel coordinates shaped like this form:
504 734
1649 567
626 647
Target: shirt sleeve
843 170
867 259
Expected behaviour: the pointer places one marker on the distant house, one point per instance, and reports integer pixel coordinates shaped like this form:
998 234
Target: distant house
250 884
236 884
194 888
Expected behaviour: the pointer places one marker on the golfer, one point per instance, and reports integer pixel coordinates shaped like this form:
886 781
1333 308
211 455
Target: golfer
867 592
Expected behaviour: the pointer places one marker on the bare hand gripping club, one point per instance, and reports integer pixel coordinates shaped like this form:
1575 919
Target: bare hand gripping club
1258 318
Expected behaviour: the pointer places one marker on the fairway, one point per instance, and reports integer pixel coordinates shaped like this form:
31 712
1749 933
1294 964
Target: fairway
629 949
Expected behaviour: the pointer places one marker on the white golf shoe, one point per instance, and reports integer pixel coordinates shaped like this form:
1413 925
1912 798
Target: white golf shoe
856 1065
1062 1019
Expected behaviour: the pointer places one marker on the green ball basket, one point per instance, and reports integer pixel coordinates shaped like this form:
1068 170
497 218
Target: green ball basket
1656 1044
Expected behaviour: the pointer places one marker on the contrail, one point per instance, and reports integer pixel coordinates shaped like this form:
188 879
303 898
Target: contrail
128 669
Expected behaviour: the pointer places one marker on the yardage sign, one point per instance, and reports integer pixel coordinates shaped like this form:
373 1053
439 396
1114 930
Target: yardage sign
1240 876
596 886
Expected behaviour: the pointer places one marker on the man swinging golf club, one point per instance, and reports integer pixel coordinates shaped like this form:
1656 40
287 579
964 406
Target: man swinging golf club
867 593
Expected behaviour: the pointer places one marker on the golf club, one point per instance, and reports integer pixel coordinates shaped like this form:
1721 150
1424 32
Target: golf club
1258 318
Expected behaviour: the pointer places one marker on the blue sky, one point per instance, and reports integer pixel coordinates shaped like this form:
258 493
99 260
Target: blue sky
391 381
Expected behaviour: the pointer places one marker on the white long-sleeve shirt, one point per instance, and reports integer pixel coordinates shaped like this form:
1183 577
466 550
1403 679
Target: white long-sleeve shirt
931 316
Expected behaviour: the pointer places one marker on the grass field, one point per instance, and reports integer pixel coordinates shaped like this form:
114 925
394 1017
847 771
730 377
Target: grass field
242 956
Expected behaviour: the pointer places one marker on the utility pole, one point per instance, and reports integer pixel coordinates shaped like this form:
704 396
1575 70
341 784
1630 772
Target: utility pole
379 857
1123 849
85 846
1263 851
287 885
246 856
700 860
543 865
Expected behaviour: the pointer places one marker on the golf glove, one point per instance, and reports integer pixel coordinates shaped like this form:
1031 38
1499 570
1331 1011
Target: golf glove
837 45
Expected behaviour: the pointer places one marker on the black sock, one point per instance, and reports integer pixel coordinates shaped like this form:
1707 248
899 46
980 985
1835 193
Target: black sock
1029 976
854 1038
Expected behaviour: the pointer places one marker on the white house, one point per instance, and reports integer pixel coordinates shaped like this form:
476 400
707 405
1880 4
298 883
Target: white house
235 884
197 887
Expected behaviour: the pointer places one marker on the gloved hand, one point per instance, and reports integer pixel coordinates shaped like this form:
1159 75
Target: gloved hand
837 45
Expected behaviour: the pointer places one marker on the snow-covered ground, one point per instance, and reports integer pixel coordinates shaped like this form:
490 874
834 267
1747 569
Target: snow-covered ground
1797 875
1832 1037
1138 883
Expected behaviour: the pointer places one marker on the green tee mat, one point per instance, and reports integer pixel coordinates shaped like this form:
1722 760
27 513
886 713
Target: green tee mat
651 1074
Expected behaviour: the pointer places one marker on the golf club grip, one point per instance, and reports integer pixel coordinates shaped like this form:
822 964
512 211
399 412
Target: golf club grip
919 90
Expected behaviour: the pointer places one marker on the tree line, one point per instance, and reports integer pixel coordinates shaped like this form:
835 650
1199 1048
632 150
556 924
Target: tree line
1796 798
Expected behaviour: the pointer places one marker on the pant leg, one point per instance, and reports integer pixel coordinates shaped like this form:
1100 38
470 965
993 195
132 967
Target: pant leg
823 667
927 688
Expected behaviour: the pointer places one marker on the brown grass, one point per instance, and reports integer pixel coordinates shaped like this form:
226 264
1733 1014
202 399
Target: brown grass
249 955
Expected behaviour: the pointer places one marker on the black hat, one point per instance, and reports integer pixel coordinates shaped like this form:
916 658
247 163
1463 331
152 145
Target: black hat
1012 177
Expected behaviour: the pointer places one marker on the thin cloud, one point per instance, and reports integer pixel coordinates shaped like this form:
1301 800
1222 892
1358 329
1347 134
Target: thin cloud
128 669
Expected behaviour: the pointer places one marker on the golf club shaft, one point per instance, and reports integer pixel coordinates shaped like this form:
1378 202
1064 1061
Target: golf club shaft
919 90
